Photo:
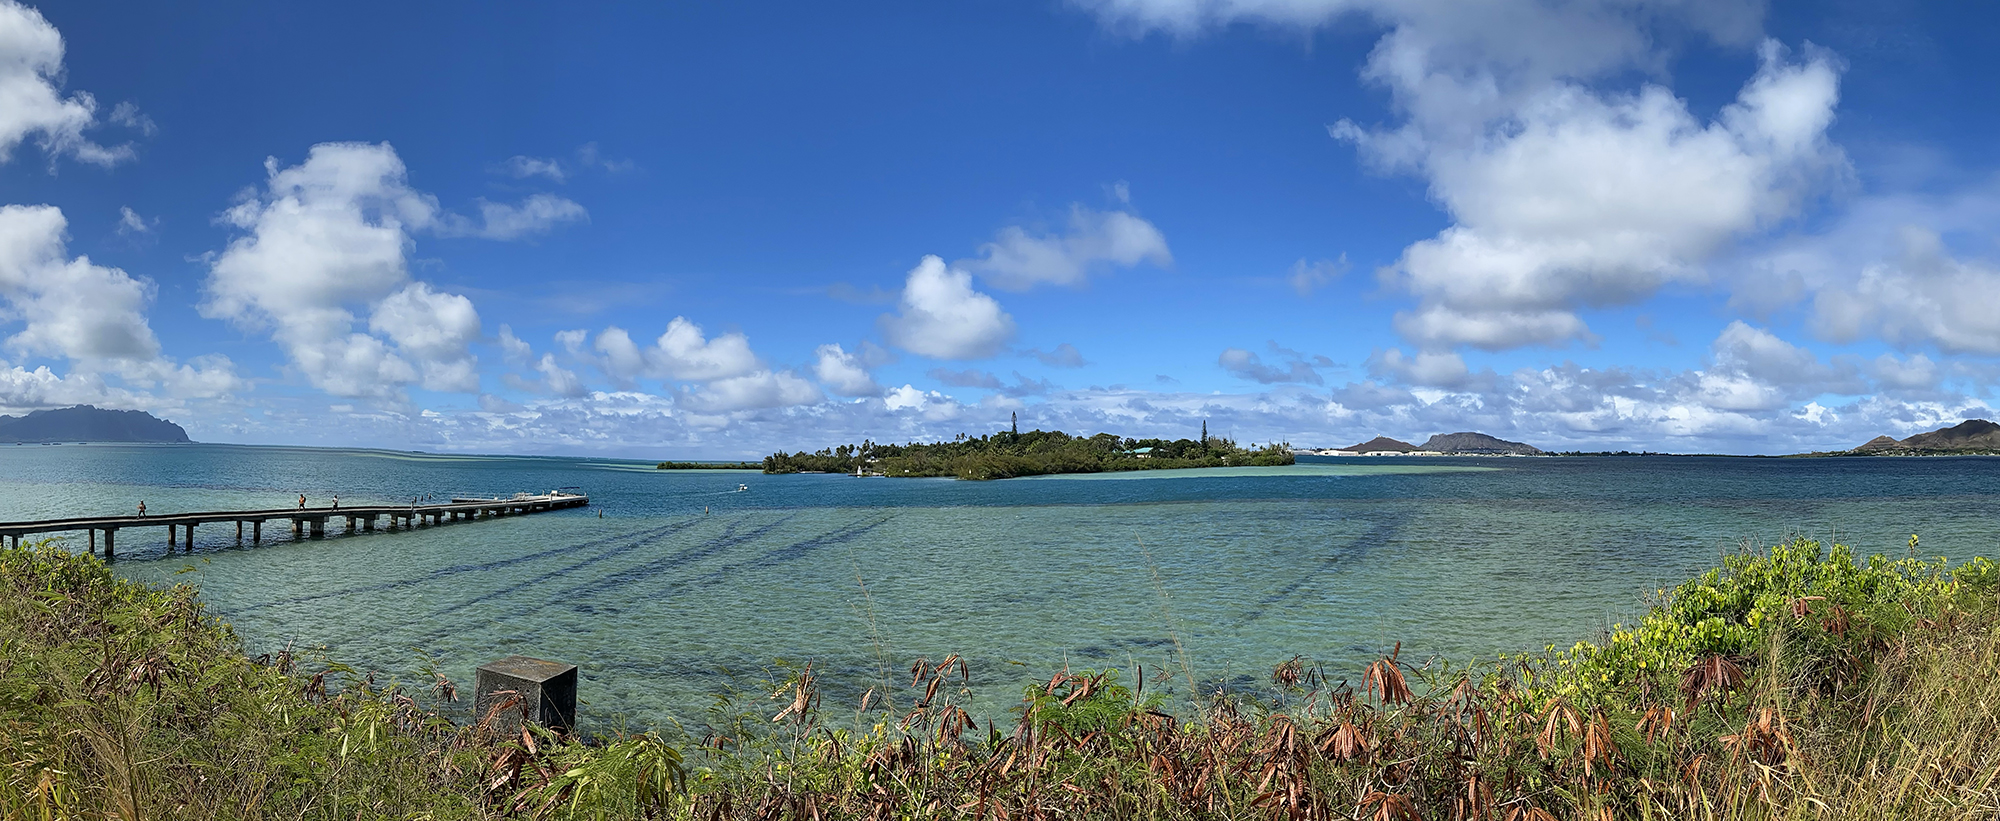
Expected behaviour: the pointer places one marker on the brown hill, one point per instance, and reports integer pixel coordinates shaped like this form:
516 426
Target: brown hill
1879 443
1969 436
1977 434
1478 443
1380 443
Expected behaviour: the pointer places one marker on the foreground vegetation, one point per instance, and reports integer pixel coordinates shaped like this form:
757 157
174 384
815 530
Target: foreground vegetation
1794 684
1010 453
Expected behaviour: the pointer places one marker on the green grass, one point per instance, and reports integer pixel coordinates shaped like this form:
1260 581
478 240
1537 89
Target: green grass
1797 683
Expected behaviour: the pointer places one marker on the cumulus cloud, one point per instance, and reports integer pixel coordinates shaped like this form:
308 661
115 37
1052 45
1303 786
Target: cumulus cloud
975 378
91 315
555 379
1017 260
751 391
843 373
1582 199
31 105
682 352
942 317
328 237
1923 297
1564 195
71 307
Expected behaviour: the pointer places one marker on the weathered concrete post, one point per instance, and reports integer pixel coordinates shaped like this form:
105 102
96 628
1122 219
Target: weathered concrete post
170 535
257 532
189 544
93 540
107 540
239 531
547 690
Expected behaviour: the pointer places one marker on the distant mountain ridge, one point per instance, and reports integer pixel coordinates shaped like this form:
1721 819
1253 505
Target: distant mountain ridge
1466 443
1469 442
1381 444
1969 436
84 423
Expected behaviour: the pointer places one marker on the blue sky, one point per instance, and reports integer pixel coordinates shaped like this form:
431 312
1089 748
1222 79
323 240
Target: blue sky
1675 225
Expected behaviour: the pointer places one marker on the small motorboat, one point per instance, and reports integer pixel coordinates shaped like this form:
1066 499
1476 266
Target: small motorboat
741 488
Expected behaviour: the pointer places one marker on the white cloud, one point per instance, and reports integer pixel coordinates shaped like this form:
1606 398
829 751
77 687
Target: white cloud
434 329
91 315
929 406
1924 297
71 307
752 391
944 318
1244 364
522 167
1564 195
538 214
31 55
1307 277
843 373
1581 199
127 114
681 353
130 223
1017 260
517 349
324 238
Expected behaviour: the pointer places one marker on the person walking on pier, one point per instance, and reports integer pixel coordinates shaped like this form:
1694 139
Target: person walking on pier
336 501
142 508
302 501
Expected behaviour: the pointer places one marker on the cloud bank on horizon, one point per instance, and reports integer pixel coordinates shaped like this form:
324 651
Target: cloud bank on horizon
1653 224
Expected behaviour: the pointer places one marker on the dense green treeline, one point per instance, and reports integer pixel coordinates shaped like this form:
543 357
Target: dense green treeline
709 466
1009 453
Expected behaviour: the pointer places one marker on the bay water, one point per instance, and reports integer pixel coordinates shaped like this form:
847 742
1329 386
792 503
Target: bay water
676 587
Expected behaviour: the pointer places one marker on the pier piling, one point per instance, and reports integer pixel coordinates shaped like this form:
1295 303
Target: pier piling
304 520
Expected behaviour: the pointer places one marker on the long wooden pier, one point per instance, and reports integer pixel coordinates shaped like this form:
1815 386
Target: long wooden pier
305 520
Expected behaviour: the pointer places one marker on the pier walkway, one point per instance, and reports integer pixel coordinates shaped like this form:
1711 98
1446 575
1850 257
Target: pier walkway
304 521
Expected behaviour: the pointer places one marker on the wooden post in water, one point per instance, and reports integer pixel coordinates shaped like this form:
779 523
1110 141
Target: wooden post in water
257 532
239 531
170 535
93 541
189 544
107 540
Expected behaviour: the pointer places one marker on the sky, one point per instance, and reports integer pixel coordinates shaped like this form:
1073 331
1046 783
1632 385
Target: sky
717 230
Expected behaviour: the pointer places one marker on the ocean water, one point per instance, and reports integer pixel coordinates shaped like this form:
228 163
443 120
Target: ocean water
674 588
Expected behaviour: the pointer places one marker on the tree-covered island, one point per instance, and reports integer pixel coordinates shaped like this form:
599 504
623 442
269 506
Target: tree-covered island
1011 453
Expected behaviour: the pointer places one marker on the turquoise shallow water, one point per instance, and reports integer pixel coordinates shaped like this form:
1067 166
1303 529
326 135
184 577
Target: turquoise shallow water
660 603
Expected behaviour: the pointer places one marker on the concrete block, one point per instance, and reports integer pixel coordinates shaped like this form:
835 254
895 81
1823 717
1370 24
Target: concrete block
547 690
